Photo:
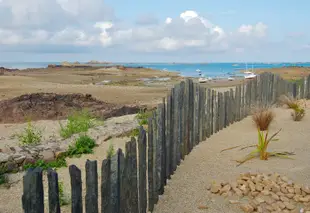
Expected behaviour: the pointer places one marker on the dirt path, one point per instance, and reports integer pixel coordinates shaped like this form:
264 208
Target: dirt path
188 188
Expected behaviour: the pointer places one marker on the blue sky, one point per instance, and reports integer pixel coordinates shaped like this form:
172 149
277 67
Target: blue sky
154 31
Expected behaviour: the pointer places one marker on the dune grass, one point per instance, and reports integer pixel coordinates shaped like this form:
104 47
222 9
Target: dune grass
262 146
262 117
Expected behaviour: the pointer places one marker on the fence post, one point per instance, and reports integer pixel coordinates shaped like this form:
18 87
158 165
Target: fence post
53 191
176 94
150 162
213 113
76 189
115 183
186 148
196 115
33 194
130 202
180 141
105 186
191 114
208 115
155 142
168 136
91 198
142 171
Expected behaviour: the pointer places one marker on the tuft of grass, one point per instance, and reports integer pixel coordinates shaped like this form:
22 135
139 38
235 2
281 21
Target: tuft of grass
83 145
63 199
262 146
298 114
262 117
143 116
110 151
30 135
58 163
79 121
298 110
290 102
3 179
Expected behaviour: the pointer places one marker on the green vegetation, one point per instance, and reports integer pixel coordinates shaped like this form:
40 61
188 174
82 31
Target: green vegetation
78 122
58 163
63 199
111 151
298 81
262 118
30 135
83 145
143 116
262 146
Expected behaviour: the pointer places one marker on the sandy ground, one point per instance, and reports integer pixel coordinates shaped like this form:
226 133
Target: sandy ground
187 190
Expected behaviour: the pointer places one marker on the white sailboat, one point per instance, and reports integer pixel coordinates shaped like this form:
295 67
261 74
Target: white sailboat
248 74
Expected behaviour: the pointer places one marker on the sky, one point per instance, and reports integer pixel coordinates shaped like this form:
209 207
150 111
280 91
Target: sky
154 31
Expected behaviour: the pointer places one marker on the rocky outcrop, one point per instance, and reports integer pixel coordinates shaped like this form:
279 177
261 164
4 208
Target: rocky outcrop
51 106
13 158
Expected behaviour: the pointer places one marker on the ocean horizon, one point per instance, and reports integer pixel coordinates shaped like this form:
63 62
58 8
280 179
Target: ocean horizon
219 70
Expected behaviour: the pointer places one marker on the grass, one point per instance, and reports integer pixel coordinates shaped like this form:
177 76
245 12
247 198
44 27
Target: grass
30 135
78 122
262 146
290 102
2 177
262 118
83 145
63 199
298 110
142 118
110 151
298 114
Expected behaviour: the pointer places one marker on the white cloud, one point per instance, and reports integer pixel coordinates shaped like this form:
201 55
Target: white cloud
91 23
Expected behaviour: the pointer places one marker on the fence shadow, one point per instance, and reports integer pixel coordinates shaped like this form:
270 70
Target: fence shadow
131 182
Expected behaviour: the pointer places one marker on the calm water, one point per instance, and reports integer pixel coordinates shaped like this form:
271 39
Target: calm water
209 70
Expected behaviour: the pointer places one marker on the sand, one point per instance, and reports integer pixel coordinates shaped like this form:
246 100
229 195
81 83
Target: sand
187 190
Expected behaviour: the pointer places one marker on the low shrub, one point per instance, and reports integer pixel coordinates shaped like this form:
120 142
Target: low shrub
262 117
83 145
30 135
143 116
58 163
78 122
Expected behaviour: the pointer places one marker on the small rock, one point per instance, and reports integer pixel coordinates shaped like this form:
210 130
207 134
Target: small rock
4 157
234 201
225 189
306 189
20 159
247 208
289 206
215 188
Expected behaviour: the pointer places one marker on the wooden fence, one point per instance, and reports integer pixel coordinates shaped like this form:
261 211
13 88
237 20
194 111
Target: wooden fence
132 183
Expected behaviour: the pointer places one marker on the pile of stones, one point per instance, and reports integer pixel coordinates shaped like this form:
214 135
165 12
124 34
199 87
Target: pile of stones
265 193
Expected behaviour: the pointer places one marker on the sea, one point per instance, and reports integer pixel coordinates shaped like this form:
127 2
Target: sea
213 70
